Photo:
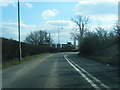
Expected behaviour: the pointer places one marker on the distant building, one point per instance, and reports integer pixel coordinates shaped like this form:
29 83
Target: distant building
64 47
67 47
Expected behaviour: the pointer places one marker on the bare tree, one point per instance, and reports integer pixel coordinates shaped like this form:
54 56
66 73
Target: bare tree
75 34
117 29
81 22
38 38
101 32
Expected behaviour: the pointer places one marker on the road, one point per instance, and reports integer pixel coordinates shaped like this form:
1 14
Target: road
61 70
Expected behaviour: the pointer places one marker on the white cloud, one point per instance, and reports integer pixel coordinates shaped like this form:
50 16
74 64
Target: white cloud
97 1
15 24
6 3
86 2
53 25
28 26
62 23
65 0
28 5
100 12
64 37
106 27
92 7
104 18
49 13
10 30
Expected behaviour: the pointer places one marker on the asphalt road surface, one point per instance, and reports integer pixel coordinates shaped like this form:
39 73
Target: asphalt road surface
61 70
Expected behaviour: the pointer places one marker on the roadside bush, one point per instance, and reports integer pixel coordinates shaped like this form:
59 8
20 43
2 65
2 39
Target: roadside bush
104 45
10 49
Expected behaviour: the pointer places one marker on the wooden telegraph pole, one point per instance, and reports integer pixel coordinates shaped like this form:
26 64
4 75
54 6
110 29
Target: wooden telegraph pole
20 53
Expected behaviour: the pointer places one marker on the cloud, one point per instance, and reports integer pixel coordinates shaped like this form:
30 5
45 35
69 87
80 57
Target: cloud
15 24
10 30
6 3
62 23
13 3
62 37
97 1
49 13
52 26
106 27
103 12
104 18
95 8
28 5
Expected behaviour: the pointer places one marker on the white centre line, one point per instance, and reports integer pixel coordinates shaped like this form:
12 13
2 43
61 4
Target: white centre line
81 70
101 83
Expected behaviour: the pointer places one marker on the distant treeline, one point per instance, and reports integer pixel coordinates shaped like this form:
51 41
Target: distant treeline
10 49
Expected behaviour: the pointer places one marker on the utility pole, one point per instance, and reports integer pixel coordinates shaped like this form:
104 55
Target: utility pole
58 38
20 53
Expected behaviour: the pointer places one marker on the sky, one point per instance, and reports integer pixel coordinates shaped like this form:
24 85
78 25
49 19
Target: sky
50 16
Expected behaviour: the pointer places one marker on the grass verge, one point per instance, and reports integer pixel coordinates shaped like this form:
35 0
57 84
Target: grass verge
16 61
112 60
108 55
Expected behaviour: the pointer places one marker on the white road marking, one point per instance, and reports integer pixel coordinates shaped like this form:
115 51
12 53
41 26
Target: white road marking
101 83
81 70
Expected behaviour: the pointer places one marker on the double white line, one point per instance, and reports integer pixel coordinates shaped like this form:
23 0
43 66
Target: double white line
86 75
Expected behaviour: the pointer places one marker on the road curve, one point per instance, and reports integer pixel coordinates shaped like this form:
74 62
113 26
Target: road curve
61 70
